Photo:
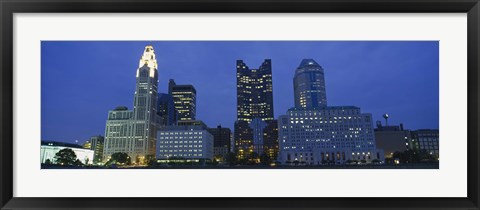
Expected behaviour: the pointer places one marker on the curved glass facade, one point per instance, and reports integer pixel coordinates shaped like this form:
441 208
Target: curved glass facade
309 85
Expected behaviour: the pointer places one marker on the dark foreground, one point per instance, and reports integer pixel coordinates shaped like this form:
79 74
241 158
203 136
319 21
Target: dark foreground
384 166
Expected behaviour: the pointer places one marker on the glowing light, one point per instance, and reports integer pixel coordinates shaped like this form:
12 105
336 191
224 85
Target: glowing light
148 58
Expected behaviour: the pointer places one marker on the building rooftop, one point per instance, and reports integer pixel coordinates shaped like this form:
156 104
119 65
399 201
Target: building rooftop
308 62
61 144
323 108
187 125
121 108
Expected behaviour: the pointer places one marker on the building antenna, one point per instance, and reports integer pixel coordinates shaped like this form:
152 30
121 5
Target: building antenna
386 118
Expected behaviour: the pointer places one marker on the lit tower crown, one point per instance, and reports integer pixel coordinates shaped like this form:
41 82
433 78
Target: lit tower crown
309 85
148 58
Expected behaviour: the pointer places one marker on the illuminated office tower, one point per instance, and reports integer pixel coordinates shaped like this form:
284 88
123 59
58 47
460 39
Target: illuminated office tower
134 131
254 92
312 133
270 139
184 99
254 101
257 125
309 85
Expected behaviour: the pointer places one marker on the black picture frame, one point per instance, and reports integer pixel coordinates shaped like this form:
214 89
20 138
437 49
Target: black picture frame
9 7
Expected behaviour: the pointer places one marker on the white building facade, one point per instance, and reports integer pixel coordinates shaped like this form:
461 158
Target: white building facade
327 135
48 151
184 142
134 132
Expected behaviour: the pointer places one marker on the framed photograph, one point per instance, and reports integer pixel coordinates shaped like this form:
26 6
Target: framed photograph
239 105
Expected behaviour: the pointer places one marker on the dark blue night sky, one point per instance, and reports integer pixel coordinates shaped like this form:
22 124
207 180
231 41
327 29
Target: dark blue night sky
83 80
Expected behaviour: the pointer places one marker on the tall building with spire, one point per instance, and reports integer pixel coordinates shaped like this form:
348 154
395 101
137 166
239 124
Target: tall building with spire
134 131
254 107
309 85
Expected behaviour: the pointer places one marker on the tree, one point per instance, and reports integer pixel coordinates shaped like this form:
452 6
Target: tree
214 162
217 159
254 158
414 156
425 156
151 160
243 161
78 163
265 159
120 158
48 162
231 158
66 157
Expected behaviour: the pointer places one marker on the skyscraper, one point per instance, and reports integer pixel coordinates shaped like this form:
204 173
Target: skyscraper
254 92
309 85
313 133
184 99
166 109
270 139
134 132
254 101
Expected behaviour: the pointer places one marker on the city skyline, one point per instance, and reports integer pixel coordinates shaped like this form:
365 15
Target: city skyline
380 83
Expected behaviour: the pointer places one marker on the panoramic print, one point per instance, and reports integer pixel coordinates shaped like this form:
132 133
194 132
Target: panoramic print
239 105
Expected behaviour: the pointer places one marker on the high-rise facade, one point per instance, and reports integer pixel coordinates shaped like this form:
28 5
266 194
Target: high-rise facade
221 140
334 134
134 132
309 85
257 125
96 144
270 139
166 109
118 132
254 92
313 133
189 141
254 105
184 99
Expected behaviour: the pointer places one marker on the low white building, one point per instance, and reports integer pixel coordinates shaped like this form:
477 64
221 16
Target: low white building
49 149
327 135
190 141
